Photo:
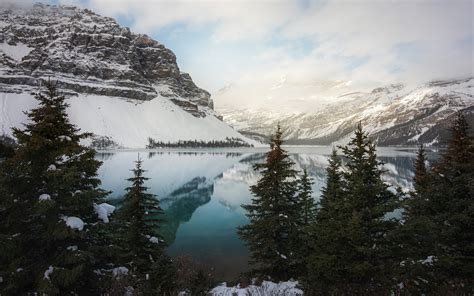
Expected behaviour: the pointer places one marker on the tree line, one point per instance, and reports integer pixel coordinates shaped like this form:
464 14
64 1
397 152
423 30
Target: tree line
364 237
227 143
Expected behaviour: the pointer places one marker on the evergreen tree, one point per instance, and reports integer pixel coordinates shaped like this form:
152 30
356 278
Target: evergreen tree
452 210
305 219
326 269
49 188
332 195
352 250
6 147
272 234
137 244
417 236
306 202
421 178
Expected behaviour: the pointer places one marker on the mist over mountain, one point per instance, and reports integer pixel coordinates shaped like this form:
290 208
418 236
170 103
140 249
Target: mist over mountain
396 114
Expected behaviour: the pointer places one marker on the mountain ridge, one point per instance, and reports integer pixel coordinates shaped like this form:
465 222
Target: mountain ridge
393 115
122 86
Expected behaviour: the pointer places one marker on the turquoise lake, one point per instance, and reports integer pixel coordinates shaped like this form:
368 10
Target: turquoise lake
201 192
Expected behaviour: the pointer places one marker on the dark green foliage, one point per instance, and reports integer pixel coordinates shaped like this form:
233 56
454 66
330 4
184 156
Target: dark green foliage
6 147
332 200
137 244
368 202
451 209
307 206
421 178
438 233
272 233
305 219
103 142
48 160
417 236
352 251
326 271
229 142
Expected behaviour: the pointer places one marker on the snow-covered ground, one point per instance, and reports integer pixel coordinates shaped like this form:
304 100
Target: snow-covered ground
16 52
265 289
129 123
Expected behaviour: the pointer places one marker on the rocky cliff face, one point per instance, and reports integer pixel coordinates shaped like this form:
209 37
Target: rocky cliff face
122 87
393 115
90 54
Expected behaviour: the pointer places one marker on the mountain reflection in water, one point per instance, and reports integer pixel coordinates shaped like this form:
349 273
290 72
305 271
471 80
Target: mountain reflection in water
201 193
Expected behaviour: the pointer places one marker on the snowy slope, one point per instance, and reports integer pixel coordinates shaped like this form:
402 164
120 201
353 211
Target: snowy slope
121 85
128 123
393 115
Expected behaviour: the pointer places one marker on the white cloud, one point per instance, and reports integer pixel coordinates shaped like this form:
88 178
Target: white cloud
368 42
233 20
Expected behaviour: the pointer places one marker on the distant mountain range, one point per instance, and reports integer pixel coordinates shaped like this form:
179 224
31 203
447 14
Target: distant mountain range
393 115
123 87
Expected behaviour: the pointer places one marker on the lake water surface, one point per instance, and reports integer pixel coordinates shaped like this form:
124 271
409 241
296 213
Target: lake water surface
201 192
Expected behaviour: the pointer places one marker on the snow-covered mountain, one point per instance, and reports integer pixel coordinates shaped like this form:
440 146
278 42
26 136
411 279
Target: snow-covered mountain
393 115
122 85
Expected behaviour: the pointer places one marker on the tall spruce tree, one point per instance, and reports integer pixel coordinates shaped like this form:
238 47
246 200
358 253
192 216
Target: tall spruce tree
49 189
305 220
137 244
417 236
352 252
326 268
421 178
272 234
307 205
452 210
332 200
369 229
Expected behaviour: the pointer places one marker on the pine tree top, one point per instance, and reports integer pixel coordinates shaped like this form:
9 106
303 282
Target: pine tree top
274 212
140 207
49 120
460 148
53 186
421 172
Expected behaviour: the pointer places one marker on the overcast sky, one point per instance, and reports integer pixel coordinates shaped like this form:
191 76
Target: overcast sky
256 47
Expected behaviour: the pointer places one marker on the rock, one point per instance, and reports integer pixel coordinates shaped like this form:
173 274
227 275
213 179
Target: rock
89 54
